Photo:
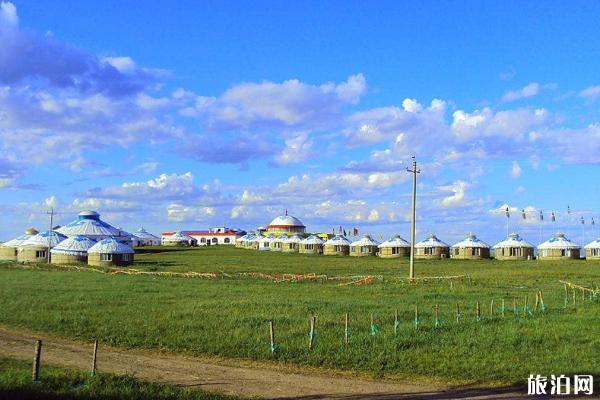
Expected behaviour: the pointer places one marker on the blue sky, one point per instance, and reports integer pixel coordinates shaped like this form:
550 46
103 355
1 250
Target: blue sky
221 113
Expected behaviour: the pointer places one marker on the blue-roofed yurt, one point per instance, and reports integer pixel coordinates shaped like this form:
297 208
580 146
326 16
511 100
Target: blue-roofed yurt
470 248
71 250
109 252
144 238
35 249
514 247
9 250
89 224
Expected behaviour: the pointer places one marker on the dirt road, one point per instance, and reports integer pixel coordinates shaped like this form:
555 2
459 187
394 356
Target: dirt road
231 377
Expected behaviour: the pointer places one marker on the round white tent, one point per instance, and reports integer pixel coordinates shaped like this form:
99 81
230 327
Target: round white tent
9 249
394 247
264 242
514 247
144 238
365 246
291 244
592 250
35 249
312 245
432 247
110 252
71 250
337 246
470 248
179 239
558 247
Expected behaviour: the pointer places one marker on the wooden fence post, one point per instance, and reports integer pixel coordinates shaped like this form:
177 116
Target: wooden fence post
36 361
94 357
346 330
457 313
492 307
525 307
478 311
396 322
272 335
311 341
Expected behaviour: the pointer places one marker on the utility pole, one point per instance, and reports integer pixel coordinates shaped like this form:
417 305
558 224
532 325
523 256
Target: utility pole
414 171
51 213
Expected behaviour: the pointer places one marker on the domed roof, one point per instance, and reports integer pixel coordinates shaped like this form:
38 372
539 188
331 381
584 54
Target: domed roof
338 240
431 241
472 241
593 245
558 241
178 237
313 239
44 239
75 245
267 239
110 246
286 221
513 240
293 239
395 241
88 223
16 242
144 234
366 240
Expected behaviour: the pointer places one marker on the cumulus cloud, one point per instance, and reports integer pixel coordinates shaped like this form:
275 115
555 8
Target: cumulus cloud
515 170
26 58
297 149
590 92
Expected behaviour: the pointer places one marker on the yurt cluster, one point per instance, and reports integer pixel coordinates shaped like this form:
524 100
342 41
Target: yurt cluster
87 239
288 234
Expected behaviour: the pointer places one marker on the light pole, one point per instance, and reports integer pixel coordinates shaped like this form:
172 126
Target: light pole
414 171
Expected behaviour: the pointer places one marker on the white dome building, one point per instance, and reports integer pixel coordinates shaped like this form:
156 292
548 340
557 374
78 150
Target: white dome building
470 248
9 250
144 238
365 246
312 245
35 249
431 248
110 252
558 247
89 224
286 224
291 244
71 250
337 246
592 250
179 239
513 247
394 247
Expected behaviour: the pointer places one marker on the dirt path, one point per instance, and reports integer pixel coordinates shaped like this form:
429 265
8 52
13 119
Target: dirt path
242 379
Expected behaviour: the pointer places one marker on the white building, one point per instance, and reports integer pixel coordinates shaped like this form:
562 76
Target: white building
212 236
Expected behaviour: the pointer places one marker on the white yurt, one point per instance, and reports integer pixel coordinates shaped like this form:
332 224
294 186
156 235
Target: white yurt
9 249
241 241
179 239
251 241
558 247
264 242
470 248
365 246
71 250
592 250
311 245
110 252
337 246
394 247
89 224
291 244
144 238
35 249
514 247
432 247
277 242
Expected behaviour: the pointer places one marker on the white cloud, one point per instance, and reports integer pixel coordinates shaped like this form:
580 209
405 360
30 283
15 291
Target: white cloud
297 149
515 170
590 92
530 90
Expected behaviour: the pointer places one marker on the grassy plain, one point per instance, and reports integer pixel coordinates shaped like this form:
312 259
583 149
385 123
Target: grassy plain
63 383
229 317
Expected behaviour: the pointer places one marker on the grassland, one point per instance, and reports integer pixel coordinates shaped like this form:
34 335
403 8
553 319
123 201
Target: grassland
228 317
62 383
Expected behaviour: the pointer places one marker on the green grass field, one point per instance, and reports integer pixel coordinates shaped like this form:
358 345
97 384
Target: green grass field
62 383
229 317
